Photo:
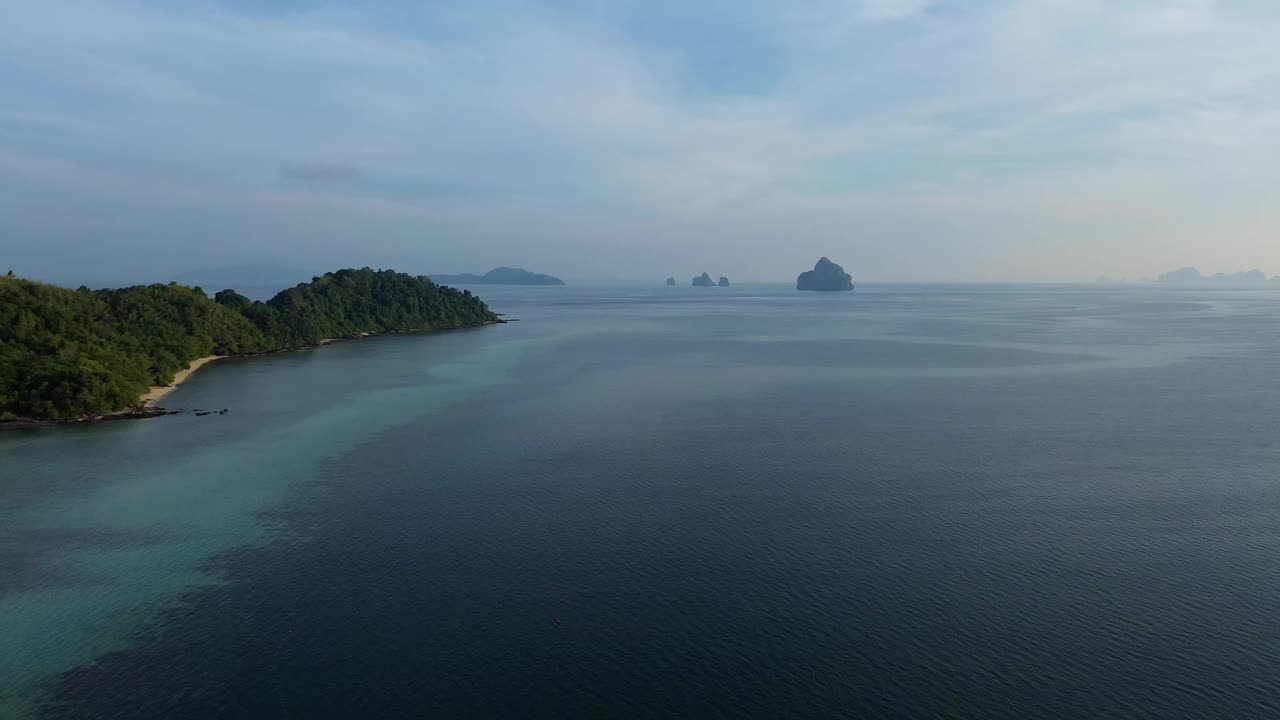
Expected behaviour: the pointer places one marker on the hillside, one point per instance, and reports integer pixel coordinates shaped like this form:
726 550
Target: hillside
76 353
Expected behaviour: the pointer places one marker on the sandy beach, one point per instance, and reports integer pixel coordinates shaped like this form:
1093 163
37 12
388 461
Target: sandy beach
157 392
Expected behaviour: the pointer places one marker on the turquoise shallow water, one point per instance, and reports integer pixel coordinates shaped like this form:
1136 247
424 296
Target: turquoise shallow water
901 502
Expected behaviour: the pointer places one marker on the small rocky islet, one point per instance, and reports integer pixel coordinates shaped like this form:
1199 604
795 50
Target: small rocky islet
704 280
825 276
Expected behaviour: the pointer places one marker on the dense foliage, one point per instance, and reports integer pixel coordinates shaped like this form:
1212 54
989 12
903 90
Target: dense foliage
73 353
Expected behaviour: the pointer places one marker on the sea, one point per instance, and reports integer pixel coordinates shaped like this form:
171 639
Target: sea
906 501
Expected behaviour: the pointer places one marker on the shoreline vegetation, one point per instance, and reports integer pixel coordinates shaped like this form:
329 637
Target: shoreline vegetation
149 404
74 356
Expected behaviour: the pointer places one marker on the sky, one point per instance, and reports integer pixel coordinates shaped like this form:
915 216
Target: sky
609 141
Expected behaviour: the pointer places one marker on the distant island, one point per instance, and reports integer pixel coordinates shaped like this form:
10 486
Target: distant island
671 281
724 281
1192 276
243 276
825 276
704 280
78 354
499 276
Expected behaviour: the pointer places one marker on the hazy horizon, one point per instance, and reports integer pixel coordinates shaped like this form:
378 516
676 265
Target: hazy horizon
260 278
908 140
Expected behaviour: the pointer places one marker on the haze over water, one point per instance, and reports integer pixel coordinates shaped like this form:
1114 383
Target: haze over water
904 502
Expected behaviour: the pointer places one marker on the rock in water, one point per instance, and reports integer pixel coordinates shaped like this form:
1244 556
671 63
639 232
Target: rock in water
724 281
704 280
827 276
671 281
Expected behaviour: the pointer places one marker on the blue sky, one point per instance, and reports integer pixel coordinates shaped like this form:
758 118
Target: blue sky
907 139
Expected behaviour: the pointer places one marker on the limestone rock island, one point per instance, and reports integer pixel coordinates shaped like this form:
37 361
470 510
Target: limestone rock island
724 281
704 280
671 281
826 276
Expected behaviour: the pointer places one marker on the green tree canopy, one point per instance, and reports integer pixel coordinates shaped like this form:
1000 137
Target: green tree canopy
73 353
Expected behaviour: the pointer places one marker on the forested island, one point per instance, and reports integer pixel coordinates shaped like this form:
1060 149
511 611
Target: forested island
499 276
67 354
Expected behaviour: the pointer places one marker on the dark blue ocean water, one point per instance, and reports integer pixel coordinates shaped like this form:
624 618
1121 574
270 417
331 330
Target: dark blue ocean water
905 502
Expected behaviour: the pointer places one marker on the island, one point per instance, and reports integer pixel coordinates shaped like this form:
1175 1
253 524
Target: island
268 277
499 276
704 280
91 354
671 281
825 276
724 281
1192 276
